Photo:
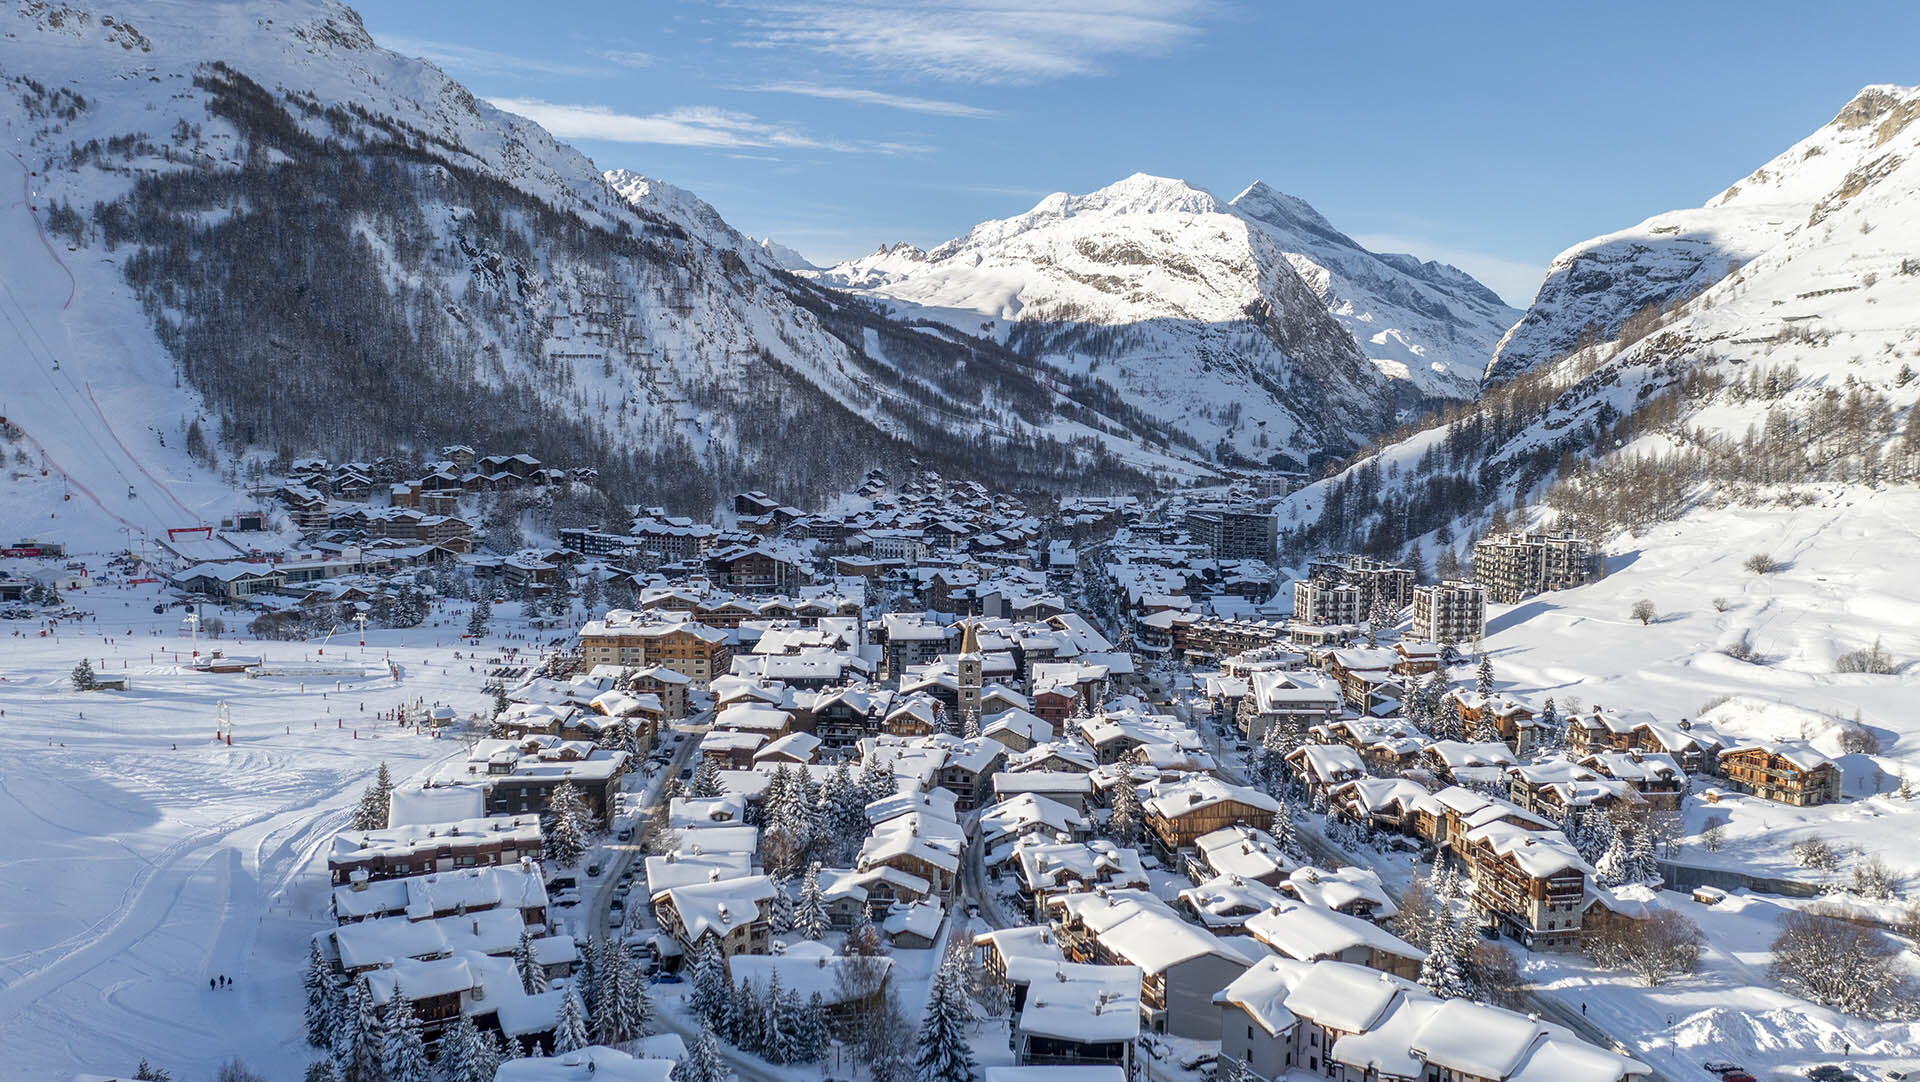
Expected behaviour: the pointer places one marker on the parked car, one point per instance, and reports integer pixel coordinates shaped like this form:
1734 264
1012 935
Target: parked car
593 869
1721 1067
624 834
686 772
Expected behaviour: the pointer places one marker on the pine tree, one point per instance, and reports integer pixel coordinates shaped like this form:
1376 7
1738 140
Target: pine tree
816 1032
942 1053
570 1028
1443 972
702 1062
1547 724
711 990
1485 685
566 840
1123 823
364 1058
625 1005
461 1053
776 1044
1643 866
147 1072
1615 864
780 916
322 1070
876 780
587 977
477 622
500 703
744 1022
533 975
371 814
810 916
706 779
1448 727
403 1053
319 984
1283 832
83 677
970 728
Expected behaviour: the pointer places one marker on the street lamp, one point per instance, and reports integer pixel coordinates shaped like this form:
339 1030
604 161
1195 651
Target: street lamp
193 624
361 619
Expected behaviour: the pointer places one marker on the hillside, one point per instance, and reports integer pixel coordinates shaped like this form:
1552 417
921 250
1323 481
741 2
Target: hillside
255 217
1169 285
1796 368
1595 287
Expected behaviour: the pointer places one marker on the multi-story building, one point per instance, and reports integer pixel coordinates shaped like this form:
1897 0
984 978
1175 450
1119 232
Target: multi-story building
1514 566
1325 602
1790 772
1233 531
1450 611
1532 883
637 640
1377 580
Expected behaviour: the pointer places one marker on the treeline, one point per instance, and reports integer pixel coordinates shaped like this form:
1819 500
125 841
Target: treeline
308 296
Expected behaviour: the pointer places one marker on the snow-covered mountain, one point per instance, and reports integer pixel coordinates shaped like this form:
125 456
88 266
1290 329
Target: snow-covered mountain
786 258
1696 384
1592 288
1149 254
252 215
1431 324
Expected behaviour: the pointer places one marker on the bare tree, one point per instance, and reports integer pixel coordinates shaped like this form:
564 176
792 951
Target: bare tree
1656 948
1644 612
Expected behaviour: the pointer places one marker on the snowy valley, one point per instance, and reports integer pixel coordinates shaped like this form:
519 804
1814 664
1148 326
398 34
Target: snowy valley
1148 638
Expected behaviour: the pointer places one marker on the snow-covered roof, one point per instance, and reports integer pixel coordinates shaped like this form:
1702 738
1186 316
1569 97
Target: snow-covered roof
1083 1003
1308 933
594 1063
808 972
719 906
1174 799
422 896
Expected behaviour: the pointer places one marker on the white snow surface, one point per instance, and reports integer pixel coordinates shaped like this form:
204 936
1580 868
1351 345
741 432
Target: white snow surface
1427 323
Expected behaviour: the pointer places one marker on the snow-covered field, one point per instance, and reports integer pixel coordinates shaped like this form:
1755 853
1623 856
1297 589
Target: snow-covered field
1846 585
138 857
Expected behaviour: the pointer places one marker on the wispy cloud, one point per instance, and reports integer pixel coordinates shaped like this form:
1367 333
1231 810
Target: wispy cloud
985 41
931 106
627 58
691 126
1515 280
466 60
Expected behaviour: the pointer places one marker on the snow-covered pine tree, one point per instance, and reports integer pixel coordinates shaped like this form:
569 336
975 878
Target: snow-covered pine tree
403 1052
744 1021
1547 723
83 676
625 1005
1642 866
1123 823
876 779
533 975
941 1051
1595 835
570 1033
1283 832
587 977
500 702
780 913
320 1070
847 822
1448 727
706 779
776 1044
344 1033
702 1062
477 621
776 794
566 840
970 726
493 1050
319 984
1615 864
461 1052
816 1030
810 915
371 813
1443 972
944 720
711 990
792 1019
1484 685
364 1060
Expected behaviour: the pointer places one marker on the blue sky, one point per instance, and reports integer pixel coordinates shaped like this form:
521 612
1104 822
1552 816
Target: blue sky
1488 135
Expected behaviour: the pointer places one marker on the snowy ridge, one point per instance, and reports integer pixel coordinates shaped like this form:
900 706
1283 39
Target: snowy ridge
1592 287
1147 252
634 318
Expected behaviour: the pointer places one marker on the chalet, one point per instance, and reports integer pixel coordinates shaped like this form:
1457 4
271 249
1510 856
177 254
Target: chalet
1181 965
1313 934
1321 767
1241 852
730 913
1292 700
414 849
1383 804
1223 903
1556 789
634 640
1179 813
1082 1017
1510 721
444 894
918 844
1531 883
1069 788
1789 772
1654 776
1468 763
1046 869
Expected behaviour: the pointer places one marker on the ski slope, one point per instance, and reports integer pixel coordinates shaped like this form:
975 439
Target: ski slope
139 857
79 381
